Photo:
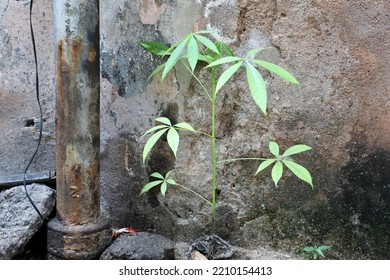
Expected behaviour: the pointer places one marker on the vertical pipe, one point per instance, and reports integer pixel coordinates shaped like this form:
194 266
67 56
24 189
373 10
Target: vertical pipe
78 224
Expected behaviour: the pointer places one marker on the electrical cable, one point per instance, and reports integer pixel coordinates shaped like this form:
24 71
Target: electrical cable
40 115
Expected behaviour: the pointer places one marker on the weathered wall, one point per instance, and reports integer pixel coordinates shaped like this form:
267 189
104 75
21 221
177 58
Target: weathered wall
338 50
19 114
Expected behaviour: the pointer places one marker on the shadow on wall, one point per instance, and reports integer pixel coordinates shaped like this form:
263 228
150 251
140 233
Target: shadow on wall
357 217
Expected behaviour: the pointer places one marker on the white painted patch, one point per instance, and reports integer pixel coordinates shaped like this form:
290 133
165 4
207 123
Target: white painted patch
217 31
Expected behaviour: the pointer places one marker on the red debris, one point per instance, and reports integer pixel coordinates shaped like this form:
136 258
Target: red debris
118 232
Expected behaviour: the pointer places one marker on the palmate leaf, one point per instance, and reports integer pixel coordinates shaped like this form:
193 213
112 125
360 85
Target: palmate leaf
173 137
226 59
154 128
324 247
163 181
276 70
155 48
279 160
164 120
163 189
257 87
171 182
299 171
185 126
277 172
151 142
155 71
309 249
157 175
296 149
174 57
192 53
207 43
222 47
151 185
173 140
169 173
264 165
226 75
274 148
206 58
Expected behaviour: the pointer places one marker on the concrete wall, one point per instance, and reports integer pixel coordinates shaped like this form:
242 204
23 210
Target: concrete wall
338 50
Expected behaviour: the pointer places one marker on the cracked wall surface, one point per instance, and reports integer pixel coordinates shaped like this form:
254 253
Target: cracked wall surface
338 50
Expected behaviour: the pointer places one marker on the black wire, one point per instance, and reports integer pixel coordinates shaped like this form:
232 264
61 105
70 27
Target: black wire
40 115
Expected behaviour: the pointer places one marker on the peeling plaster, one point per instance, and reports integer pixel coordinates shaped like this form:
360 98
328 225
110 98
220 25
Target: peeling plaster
219 32
150 11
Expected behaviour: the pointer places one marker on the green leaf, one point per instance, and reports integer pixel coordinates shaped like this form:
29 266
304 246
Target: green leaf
173 140
324 247
257 87
308 249
227 49
164 120
277 172
264 165
151 142
157 175
192 53
150 185
155 47
185 126
169 173
227 75
319 252
154 128
296 149
205 58
299 171
222 47
155 71
277 70
164 188
171 182
254 51
274 148
207 43
226 59
171 62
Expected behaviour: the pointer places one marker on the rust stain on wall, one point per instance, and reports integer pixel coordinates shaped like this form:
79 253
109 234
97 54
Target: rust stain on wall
91 53
150 11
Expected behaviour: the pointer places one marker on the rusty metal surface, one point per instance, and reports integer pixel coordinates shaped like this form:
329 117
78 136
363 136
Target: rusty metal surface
80 230
77 117
77 242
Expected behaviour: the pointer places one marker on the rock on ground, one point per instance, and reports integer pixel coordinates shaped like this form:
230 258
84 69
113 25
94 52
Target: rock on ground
140 246
182 253
18 219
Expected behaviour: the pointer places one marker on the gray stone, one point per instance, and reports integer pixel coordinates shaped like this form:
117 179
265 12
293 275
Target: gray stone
240 253
140 246
18 219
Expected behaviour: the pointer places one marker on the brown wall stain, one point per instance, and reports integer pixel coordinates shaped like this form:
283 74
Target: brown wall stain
150 11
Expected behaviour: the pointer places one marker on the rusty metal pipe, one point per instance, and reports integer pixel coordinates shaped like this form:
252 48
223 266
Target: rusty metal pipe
79 223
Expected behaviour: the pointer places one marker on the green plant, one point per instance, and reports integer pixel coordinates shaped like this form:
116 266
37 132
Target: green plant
196 48
313 252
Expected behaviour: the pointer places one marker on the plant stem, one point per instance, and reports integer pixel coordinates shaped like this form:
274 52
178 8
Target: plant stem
197 79
214 152
203 133
197 194
237 159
